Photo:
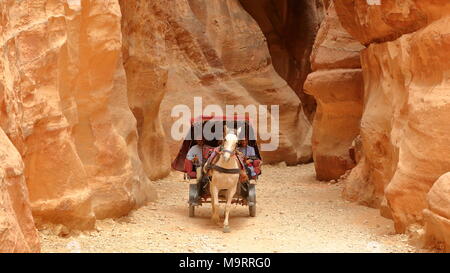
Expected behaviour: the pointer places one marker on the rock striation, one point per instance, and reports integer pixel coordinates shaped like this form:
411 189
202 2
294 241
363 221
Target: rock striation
65 109
215 50
86 90
337 86
18 233
404 128
290 28
437 213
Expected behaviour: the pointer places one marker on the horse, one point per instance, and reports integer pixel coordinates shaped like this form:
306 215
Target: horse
225 176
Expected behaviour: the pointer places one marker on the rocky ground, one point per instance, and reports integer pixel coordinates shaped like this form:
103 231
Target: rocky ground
295 213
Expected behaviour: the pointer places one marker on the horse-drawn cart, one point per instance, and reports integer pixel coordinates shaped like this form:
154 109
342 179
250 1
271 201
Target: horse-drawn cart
199 189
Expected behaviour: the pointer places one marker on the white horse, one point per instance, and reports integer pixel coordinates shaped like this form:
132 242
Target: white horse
225 176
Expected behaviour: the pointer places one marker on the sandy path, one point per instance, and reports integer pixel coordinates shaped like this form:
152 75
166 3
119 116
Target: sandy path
295 213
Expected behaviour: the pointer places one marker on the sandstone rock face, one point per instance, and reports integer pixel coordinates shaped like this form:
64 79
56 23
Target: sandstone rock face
388 21
65 109
422 161
18 233
290 27
86 86
437 215
337 86
215 50
404 128
144 48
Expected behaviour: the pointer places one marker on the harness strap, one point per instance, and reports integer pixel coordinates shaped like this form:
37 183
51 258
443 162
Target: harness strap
224 170
211 163
227 151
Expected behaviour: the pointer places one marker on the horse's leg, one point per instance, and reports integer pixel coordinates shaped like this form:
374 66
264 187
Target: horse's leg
214 203
230 194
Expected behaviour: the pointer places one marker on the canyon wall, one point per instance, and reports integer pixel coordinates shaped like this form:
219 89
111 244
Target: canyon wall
216 50
404 128
290 28
87 89
337 86
65 109
208 49
144 28
17 231
437 215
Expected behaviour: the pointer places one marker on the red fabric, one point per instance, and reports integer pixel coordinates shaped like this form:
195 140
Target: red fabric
207 151
256 163
189 169
178 163
257 166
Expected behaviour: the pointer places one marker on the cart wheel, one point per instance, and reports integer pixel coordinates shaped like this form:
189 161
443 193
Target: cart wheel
193 194
252 200
252 210
191 211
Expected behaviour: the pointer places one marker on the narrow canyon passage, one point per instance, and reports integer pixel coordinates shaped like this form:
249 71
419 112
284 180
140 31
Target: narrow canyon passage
89 92
295 213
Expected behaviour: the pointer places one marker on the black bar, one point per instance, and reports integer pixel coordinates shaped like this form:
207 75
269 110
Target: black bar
227 262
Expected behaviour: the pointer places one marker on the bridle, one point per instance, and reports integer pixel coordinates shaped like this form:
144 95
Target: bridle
221 169
222 151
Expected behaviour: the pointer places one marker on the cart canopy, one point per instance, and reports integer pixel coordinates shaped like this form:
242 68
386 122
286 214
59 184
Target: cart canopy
214 122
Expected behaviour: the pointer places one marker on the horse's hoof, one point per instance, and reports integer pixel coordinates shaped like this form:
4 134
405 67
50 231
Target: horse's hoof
226 229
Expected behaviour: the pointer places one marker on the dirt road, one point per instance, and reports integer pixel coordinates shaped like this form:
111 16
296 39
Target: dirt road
295 213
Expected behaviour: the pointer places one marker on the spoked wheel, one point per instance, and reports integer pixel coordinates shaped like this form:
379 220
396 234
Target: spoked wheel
191 211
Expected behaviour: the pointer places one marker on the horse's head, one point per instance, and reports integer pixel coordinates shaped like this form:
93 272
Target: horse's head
230 142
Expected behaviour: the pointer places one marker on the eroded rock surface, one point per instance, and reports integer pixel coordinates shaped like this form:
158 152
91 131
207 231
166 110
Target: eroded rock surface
144 30
290 27
404 128
17 230
389 20
87 85
65 109
437 214
216 50
337 86
87 88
